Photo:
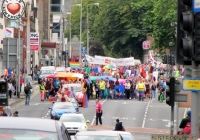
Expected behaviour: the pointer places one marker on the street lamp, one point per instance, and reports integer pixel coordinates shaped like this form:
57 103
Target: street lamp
94 4
80 5
70 33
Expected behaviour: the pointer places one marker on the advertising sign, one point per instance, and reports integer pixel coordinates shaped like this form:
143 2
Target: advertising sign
34 41
9 32
146 45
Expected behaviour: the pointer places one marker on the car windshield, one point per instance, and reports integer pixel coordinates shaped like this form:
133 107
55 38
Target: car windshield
63 106
126 137
97 138
60 69
76 87
46 71
69 118
17 134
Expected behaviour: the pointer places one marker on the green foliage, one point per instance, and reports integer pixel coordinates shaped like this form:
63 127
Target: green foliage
120 26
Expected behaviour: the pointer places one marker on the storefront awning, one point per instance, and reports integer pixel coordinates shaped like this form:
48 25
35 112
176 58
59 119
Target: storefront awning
50 45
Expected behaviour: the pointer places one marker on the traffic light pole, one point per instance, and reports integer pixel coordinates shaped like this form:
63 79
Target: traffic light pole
172 121
195 102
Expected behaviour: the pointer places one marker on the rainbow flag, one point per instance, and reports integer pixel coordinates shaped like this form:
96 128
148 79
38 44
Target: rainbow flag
74 64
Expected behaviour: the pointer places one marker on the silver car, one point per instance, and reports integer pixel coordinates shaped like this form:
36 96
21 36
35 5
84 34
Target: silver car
20 128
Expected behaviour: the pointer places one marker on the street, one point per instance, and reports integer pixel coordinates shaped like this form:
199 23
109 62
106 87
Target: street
141 118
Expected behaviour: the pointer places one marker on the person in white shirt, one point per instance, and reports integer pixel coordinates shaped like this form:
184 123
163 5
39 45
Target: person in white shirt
47 59
8 111
127 89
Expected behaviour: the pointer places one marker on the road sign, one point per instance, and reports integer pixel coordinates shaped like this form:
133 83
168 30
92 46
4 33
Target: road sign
196 6
191 84
181 97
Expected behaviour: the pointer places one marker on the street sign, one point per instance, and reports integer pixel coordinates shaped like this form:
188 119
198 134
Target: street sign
181 97
196 6
191 84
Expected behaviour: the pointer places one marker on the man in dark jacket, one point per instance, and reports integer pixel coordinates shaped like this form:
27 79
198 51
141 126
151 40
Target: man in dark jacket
118 126
185 120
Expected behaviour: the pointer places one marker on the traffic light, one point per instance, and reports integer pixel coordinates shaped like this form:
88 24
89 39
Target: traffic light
164 59
197 38
171 60
170 92
184 32
3 93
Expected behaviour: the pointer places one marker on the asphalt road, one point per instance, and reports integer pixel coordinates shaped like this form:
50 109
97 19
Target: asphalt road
133 113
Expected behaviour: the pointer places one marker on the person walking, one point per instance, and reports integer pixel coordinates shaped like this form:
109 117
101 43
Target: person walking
140 87
102 86
127 89
42 90
27 90
99 112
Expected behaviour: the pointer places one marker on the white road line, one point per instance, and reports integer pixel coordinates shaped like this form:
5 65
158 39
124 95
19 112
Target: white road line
95 114
145 114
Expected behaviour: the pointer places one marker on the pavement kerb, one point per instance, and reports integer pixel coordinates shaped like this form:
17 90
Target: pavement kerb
132 129
22 101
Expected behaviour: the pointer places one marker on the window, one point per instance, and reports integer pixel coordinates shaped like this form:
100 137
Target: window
56 26
55 8
56 31
55 1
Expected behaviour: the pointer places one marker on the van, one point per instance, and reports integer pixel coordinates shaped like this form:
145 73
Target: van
47 70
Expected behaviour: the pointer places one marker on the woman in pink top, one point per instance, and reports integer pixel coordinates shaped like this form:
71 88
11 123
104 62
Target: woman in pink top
67 92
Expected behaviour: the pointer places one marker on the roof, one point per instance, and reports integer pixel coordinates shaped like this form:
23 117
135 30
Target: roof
28 124
97 133
72 114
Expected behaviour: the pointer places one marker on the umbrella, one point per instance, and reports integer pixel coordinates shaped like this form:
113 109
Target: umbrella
63 74
108 66
50 76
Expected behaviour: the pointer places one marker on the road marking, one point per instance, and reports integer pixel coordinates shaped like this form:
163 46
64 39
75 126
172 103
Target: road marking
95 115
145 114
23 101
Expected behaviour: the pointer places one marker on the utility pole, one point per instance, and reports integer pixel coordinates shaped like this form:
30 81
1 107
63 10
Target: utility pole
80 32
87 32
18 61
28 39
63 37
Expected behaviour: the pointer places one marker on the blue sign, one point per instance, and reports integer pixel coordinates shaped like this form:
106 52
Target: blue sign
196 6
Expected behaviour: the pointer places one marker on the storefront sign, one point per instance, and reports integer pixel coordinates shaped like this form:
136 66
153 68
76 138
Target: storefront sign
9 32
34 41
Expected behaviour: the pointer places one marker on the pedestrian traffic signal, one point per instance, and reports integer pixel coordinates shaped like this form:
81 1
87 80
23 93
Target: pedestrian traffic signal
184 32
3 93
171 60
170 92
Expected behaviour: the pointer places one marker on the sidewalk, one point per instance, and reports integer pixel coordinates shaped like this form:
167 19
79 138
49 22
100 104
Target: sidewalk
14 100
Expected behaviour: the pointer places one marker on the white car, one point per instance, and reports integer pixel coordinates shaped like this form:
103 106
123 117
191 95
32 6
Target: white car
74 122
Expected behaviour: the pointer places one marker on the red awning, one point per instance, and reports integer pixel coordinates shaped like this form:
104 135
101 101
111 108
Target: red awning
48 45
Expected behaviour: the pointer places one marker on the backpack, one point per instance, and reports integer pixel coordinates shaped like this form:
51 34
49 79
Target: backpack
186 130
26 90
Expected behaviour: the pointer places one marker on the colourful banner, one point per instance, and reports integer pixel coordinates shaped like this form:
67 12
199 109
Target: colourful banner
74 64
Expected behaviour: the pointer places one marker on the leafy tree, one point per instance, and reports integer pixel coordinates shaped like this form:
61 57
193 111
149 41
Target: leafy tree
161 20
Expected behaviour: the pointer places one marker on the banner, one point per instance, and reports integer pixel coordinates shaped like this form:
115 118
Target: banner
109 60
34 41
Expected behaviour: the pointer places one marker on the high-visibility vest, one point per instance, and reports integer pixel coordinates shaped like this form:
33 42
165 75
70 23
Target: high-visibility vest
141 86
176 74
41 87
6 72
102 85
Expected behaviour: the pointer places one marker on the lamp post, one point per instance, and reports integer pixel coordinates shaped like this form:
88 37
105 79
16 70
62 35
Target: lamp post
88 30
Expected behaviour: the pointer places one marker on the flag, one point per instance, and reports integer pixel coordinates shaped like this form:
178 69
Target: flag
74 64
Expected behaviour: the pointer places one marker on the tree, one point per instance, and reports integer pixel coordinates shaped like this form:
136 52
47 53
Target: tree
161 19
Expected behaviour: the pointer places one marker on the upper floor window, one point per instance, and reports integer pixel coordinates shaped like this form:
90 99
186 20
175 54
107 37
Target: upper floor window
55 1
56 26
55 8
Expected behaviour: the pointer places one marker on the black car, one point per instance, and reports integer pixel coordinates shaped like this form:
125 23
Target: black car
20 128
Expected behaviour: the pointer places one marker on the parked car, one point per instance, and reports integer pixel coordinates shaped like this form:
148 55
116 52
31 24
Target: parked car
47 70
20 128
104 135
60 108
74 122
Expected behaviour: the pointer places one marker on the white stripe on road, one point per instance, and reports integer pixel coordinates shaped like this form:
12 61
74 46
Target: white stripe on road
145 114
95 114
